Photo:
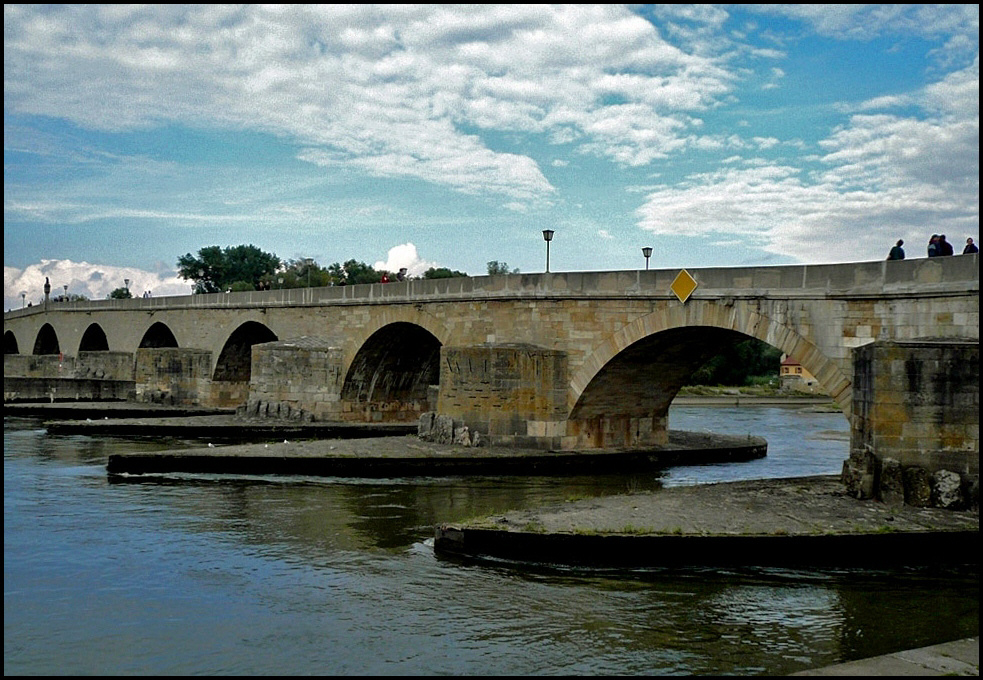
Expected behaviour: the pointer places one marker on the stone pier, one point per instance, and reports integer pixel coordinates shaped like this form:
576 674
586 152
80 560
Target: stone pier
916 423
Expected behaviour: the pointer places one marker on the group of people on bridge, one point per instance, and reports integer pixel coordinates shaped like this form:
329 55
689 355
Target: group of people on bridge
938 246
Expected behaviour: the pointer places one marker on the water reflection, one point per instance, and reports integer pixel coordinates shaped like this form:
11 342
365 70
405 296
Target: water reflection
213 575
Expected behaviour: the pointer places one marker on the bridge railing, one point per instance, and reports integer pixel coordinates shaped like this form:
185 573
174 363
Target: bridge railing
877 279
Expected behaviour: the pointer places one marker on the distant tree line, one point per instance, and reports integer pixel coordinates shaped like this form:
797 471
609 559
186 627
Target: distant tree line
747 363
245 267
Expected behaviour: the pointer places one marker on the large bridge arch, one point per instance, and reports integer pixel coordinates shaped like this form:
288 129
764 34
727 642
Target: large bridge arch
680 322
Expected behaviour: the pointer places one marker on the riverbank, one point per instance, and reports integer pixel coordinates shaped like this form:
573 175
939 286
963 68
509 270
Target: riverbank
960 658
808 521
409 456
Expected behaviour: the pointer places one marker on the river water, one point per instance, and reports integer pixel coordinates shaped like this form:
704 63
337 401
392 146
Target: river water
285 576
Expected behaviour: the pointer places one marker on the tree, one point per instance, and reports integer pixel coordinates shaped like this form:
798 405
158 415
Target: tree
70 297
302 274
738 364
441 273
353 272
120 293
216 269
495 268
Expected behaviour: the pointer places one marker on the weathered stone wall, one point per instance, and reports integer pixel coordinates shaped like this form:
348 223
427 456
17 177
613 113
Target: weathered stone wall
916 422
510 394
38 366
65 389
170 375
295 379
104 365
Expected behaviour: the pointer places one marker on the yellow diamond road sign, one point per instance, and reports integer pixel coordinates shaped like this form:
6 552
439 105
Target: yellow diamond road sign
683 285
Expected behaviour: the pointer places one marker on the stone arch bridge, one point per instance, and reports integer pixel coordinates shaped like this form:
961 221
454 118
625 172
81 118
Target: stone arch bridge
561 360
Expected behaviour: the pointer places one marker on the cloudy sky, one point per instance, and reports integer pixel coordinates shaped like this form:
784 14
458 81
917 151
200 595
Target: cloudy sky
450 136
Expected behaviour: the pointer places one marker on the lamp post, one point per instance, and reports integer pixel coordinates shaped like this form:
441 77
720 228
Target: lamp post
547 236
23 298
309 261
65 286
126 282
647 252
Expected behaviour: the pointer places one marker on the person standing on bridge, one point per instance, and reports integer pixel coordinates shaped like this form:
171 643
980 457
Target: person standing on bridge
970 247
897 252
945 248
933 246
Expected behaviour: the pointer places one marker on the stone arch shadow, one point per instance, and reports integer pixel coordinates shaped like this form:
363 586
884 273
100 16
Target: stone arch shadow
94 339
393 373
10 343
234 363
158 336
46 341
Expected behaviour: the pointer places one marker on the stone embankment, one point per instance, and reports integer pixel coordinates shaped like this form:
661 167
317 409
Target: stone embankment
809 521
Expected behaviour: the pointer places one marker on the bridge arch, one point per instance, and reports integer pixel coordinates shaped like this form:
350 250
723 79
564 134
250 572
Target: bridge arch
94 339
235 360
396 363
46 341
157 336
10 343
680 330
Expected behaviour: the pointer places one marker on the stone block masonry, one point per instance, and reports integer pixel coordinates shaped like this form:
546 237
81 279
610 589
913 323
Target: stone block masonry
512 394
916 423
173 376
297 379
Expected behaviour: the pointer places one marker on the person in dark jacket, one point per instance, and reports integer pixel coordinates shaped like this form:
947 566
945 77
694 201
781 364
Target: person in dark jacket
970 247
945 248
933 246
897 252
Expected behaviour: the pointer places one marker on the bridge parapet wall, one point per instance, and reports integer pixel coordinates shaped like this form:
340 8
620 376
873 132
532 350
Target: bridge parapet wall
875 280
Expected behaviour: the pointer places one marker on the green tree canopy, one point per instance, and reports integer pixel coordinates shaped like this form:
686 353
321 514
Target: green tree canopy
738 364
121 293
495 268
441 273
353 272
216 269
301 274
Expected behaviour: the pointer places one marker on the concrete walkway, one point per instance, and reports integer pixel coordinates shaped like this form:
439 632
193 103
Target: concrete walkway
960 658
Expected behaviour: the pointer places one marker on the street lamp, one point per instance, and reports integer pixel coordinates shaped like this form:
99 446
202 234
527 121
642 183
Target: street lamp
309 261
647 252
65 286
23 298
547 236
126 282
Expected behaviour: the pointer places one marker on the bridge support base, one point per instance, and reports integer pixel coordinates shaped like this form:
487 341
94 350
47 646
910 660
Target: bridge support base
915 423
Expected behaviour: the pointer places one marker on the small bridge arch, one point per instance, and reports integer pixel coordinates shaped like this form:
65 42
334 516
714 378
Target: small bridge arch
46 341
10 343
94 339
158 336
235 360
396 363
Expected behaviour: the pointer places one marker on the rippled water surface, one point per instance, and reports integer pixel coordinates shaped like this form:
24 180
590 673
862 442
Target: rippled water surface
301 576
